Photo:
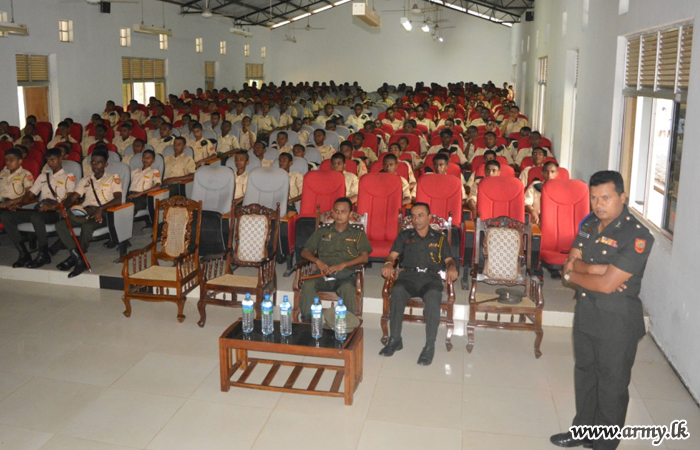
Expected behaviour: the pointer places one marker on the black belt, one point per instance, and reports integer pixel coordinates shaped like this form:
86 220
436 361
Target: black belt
421 270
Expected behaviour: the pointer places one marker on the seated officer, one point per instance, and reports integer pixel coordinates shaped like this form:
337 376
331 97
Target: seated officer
533 193
179 168
101 191
352 182
144 180
204 149
491 169
424 253
49 187
337 251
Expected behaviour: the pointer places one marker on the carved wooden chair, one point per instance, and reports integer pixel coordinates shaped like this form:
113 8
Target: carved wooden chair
448 293
256 236
506 246
145 278
306 268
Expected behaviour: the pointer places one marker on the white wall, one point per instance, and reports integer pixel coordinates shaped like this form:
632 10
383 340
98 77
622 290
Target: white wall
670 283
349 50
88 71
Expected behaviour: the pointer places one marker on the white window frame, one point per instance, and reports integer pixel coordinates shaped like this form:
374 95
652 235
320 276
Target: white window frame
3 18
65 30
222 47
199 45
125 37
541 99
246 50
163 41
263 52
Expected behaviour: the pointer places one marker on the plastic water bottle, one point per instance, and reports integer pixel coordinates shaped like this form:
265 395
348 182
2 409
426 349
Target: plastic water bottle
285 317
316 319
248 314
267 323
341 320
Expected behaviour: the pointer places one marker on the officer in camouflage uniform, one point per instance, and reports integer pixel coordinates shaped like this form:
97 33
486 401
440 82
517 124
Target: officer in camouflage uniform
606 265
337 250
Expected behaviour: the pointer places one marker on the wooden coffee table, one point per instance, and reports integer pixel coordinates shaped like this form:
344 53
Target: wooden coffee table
299 343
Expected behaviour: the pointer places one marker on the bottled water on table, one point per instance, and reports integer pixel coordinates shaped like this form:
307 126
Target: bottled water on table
316 319
286 317
341 315
248 314
267 322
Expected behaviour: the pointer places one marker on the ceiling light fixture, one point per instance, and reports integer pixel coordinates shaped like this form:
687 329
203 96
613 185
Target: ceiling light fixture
338 3
316 11
301 17
441 39
280 24
406 23
425 27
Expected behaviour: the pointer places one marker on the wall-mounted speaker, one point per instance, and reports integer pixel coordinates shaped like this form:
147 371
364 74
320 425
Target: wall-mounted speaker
529 16
105 7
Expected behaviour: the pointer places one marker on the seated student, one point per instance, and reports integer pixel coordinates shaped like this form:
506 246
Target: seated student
300 152
332 125
308 113
100 137
265 122
513 123
352 182
327 114
285 119
62 135
64 149
451 115
185 123
110 114
409 128
392 120
319 138
179 168
441 162
448 144
259 150
158 111
153 127
4 131
358 118
422 120
395 149
143 181
282 143
533 194
315 103
102 191
489 155
389 166
29 130
368 129
483 119
385 98
491 169
25 143
535 141
204 149
490 144
138 147
14 179
537 161
214 123
358 140
337 251
135 112
296 180
347 150
240 159
470 142
228 143
513 147
235 113
49 187
95 120
246 138
303 134
124 139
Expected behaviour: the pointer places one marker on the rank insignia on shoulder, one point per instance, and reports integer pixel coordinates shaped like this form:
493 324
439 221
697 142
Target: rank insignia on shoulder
640 245
584 234
168 139
204 142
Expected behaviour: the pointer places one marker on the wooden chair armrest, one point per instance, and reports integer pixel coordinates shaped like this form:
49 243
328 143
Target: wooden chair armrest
154 193
184 256
287 217
536 231
135 253
212 266
469 226
117 208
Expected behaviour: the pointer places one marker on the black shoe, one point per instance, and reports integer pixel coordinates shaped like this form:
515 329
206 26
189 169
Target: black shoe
24 258
566 440
56 247
42 258
394 345
79 265
426 356
555 274
110 244
67 264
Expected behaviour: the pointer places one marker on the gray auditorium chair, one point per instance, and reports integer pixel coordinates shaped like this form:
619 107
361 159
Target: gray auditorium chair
268 186
332 139
292 135
214 186
313 155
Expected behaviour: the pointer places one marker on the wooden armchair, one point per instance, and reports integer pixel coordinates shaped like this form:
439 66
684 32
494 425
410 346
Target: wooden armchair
256 236
506 246
448 293
306 268
145 279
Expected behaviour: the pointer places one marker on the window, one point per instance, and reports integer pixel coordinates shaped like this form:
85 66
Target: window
143 78
656 86
125 37
3 18
254 74
209 75
65 30
32 86
538 123
263 52
32 69
199 45
222 47
246 50
163 41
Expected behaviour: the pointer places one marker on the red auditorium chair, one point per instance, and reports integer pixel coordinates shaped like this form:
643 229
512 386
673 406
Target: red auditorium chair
2 158
401 169
480 143
527 161
536 172
380 197
321 189
139 133
506 171
74 156
44 130
31 165
413 141
370 141
564 205
387 128
39 146
14 132
76 132
35 155
350 166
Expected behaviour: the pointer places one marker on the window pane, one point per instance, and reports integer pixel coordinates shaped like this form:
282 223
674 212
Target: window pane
675 169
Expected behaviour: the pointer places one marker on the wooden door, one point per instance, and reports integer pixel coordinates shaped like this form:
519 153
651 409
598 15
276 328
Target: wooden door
36 102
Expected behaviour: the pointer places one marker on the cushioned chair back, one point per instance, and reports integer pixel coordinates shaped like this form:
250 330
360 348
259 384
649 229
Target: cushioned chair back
350 166
292 136
444 195
254 232
253 162
313 155
536 173
501 196
31 165
413 141
380 197
343 131
214 186
268 186
564 204
332 139
76 131
370 141
300 165
44 129
321 188
73 168
113 157
124 173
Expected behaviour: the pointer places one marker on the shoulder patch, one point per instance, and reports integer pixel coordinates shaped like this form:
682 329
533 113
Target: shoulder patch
71 178
116 179
640 245
30 177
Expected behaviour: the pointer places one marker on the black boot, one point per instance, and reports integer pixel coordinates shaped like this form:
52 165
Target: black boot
394 345
56 247
24 256
68 263
79 265
42 258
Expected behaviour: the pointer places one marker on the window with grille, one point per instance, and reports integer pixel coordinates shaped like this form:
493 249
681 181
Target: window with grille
163 41
143 78
199 45
65 30
32 69
254 71
125 37
222 47
246 50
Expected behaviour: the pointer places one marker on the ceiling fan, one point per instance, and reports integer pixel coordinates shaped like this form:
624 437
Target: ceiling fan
207 12
308 27
414 10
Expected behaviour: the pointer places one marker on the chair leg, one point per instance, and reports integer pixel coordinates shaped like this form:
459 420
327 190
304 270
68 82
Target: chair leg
180 309
470 337
127 303
449 323
385 326
201 305
465 277
538 340
290 265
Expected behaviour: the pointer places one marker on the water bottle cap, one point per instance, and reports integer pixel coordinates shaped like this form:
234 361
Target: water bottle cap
247 295
340 301
316 300
285 298
267 296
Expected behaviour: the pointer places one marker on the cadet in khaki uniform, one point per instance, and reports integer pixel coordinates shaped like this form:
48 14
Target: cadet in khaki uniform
319 139
101 191
490 142
265 122
424 253
110 114
136 113
14 179
392 120
390 164
359 118
228 143
358 139
537 160
246 137
179 168
204 149
535 142
296 180
282 143
491 169
606 265
441 162
422 120
124 139
164 139
533 194
513 123
241 159
337 251
352 182
62 135
347 150
89 141
49 187
144 180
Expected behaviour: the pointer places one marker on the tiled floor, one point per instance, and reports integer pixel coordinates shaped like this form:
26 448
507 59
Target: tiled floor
75 374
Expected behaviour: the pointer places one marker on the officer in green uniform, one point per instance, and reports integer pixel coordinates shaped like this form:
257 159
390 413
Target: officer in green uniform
606 265
424 253
337 250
